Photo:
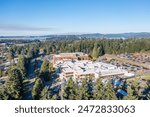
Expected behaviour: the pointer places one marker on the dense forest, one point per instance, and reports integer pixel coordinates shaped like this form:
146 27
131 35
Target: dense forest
99 46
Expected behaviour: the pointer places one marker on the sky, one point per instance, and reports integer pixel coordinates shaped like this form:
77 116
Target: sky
44 17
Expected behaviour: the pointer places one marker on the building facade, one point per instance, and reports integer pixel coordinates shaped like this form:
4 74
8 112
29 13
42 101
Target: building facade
69 56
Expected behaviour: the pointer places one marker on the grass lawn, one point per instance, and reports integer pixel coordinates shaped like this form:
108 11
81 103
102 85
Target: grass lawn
146 77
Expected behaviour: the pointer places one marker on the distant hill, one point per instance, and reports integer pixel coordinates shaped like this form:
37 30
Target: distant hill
81 36
118 36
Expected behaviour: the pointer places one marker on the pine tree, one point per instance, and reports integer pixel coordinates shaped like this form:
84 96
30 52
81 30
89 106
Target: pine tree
135 88
99 91
14 85
10 55
90 88
30 53
95 53
83 93
3 93
22 65
130 94
1 73
109 92
45 66
70 90
45 94
37 89
101 50
44 71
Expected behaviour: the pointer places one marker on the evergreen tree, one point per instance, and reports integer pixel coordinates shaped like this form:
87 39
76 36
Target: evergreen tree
109 92
48 50
85 90
135 88
22 65
1 73
14 85
101 50
130 94
70 90
3 93
45 94
30 53
37 89
10 55
90 88
99 91
44 71
56 97
96 51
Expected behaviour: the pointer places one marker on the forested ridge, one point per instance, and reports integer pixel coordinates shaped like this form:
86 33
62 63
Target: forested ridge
100 46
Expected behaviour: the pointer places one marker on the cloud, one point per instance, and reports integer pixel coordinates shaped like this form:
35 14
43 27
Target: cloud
7 27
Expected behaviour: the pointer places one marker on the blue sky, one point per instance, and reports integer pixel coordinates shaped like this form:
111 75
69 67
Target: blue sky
39 17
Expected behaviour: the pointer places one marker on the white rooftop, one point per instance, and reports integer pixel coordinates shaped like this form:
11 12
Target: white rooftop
88 67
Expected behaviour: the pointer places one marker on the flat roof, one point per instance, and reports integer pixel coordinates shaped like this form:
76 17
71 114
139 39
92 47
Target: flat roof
89 67
70 54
